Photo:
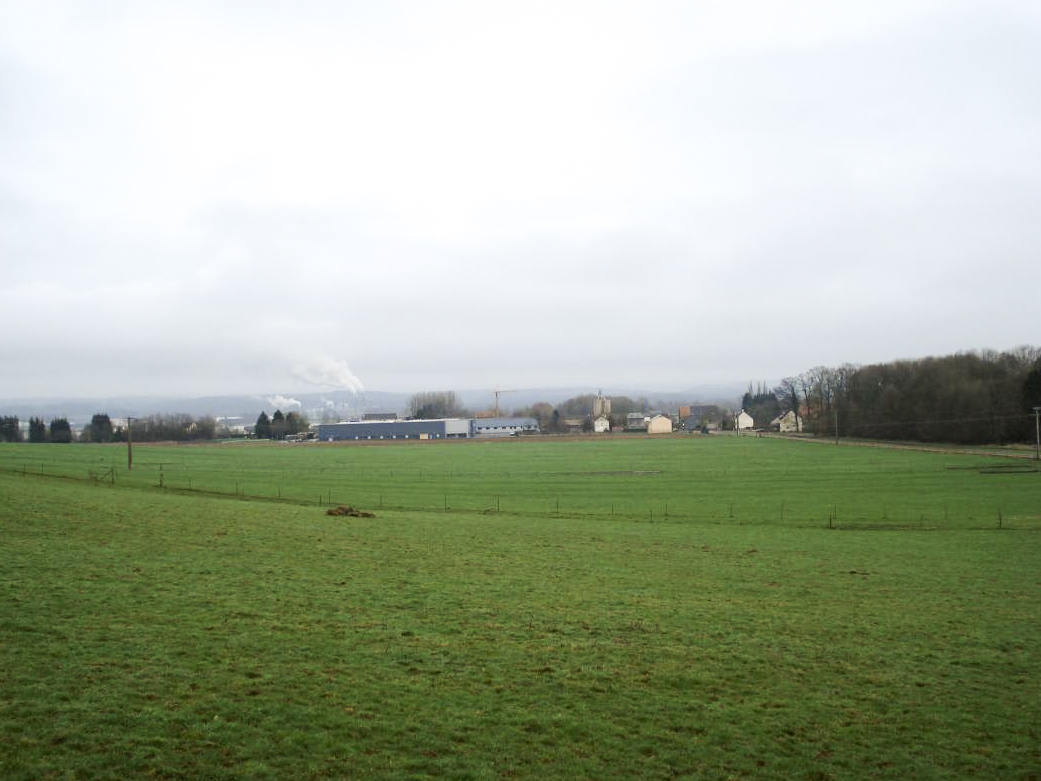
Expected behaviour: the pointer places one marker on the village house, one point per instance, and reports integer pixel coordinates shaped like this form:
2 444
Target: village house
660 424
788 423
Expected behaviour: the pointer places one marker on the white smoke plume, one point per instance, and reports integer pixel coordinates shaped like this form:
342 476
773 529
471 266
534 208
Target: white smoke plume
327 372
283 402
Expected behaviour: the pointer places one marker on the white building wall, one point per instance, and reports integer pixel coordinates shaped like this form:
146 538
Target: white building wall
659 425
788 423
457 426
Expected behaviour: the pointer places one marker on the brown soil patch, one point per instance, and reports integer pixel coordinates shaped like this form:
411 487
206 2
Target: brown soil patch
346 509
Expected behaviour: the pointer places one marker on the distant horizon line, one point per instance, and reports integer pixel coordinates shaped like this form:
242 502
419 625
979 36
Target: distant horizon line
262 395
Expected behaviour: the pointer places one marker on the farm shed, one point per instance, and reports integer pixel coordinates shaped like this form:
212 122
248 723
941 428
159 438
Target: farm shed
574 425
636 421
444 428
660 424
601 425
743 420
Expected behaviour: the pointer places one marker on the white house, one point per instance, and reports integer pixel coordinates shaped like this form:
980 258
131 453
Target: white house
787 423
743 420
660 424
601 425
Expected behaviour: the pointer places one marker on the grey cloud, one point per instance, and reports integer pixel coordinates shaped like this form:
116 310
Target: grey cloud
679 198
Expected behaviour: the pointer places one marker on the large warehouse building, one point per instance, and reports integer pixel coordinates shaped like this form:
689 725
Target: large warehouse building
444 428
450 428
504 427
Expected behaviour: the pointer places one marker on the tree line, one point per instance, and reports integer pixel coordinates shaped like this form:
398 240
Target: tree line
966 398
280 426
59 430
177 427
153 428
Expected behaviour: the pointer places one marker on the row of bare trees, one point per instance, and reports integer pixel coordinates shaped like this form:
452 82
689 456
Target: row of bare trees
433 405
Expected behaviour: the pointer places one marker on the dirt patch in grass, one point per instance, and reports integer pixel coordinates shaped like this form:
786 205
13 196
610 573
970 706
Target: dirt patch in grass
346 509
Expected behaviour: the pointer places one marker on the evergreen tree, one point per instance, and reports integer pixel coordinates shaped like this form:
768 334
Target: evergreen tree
60 431
37 430
278 425
100 428
262 429
9 430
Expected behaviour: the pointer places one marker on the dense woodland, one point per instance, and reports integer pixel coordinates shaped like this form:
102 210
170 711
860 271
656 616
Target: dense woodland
967 398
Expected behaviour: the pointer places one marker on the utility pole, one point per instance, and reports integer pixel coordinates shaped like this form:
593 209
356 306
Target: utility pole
836 421
130 452
1037 433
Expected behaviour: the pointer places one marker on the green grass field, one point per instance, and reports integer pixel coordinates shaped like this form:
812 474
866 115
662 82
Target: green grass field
799 611
724 479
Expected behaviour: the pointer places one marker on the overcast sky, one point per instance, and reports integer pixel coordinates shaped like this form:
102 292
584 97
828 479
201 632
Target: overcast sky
236 197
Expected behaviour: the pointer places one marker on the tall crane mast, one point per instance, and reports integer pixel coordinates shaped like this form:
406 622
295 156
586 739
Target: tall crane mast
497 391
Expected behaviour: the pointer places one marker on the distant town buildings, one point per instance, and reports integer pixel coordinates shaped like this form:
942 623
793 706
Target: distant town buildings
701 417
690 418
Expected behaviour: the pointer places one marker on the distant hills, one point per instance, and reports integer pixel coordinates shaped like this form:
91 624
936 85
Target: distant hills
341 403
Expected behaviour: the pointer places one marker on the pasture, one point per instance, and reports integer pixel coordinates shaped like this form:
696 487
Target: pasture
630 608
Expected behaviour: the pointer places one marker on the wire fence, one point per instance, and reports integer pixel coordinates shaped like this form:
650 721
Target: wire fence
397 493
